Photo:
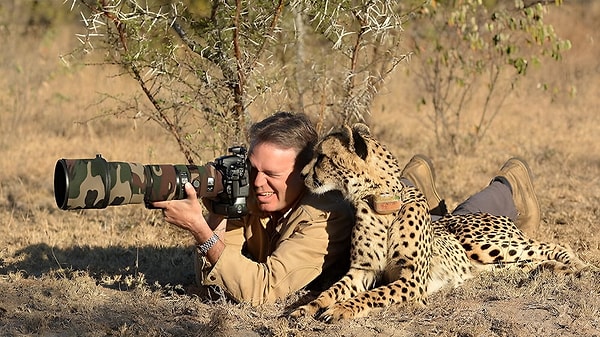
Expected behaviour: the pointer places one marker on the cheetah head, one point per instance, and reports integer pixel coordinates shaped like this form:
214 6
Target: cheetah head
341 162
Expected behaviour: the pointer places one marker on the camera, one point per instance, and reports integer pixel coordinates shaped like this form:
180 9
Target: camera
96 183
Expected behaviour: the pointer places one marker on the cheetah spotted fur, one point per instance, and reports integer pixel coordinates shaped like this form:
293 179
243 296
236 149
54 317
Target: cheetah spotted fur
403 256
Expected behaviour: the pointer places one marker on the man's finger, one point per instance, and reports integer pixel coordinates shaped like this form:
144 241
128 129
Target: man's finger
160 204
190 191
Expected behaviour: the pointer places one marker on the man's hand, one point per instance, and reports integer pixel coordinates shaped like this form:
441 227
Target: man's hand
185 213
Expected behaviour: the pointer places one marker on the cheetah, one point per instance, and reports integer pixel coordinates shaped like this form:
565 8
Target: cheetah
397 254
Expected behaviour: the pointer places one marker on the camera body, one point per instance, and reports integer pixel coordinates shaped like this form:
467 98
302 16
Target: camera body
234 169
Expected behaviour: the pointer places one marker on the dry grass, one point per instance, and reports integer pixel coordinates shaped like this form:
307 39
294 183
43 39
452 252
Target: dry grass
123 271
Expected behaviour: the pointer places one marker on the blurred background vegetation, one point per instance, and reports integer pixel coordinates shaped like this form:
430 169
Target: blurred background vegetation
206 69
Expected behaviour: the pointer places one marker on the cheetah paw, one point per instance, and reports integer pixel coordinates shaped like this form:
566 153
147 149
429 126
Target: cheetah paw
308 310
336 314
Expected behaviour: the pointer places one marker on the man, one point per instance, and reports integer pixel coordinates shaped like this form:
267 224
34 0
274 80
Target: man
291 236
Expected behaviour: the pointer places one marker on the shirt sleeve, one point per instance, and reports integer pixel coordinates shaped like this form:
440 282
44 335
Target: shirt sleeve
297 260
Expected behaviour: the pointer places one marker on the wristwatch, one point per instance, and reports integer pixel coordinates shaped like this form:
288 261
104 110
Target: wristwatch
207 245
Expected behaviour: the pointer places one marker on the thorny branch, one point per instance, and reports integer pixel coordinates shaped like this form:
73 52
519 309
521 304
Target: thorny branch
122 33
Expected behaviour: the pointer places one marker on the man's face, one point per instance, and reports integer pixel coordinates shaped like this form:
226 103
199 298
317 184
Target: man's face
277 184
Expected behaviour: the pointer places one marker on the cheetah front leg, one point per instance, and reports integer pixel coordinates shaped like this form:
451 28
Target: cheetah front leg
401 255
366 262
375 299
354 282
407 275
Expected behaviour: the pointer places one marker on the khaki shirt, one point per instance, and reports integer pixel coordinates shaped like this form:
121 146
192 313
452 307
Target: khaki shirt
265 261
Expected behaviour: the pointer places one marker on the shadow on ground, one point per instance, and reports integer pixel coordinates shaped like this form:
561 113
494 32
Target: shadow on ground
162 265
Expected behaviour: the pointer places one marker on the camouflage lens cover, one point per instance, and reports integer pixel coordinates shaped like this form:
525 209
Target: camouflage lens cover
97 183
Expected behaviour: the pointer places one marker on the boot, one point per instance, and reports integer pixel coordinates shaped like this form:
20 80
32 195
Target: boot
518 174
420 172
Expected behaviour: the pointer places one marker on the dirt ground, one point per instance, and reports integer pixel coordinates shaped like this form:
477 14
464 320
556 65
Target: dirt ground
124 272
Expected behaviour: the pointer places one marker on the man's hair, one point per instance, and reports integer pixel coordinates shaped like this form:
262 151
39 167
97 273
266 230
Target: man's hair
288 131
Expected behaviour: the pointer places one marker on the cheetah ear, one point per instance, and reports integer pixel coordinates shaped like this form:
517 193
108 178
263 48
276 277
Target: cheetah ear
359 132
361 129
345 136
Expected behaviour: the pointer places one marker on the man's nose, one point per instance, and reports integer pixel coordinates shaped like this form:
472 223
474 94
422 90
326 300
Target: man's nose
259 179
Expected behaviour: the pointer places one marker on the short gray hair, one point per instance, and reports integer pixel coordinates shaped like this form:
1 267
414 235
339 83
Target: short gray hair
288 131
